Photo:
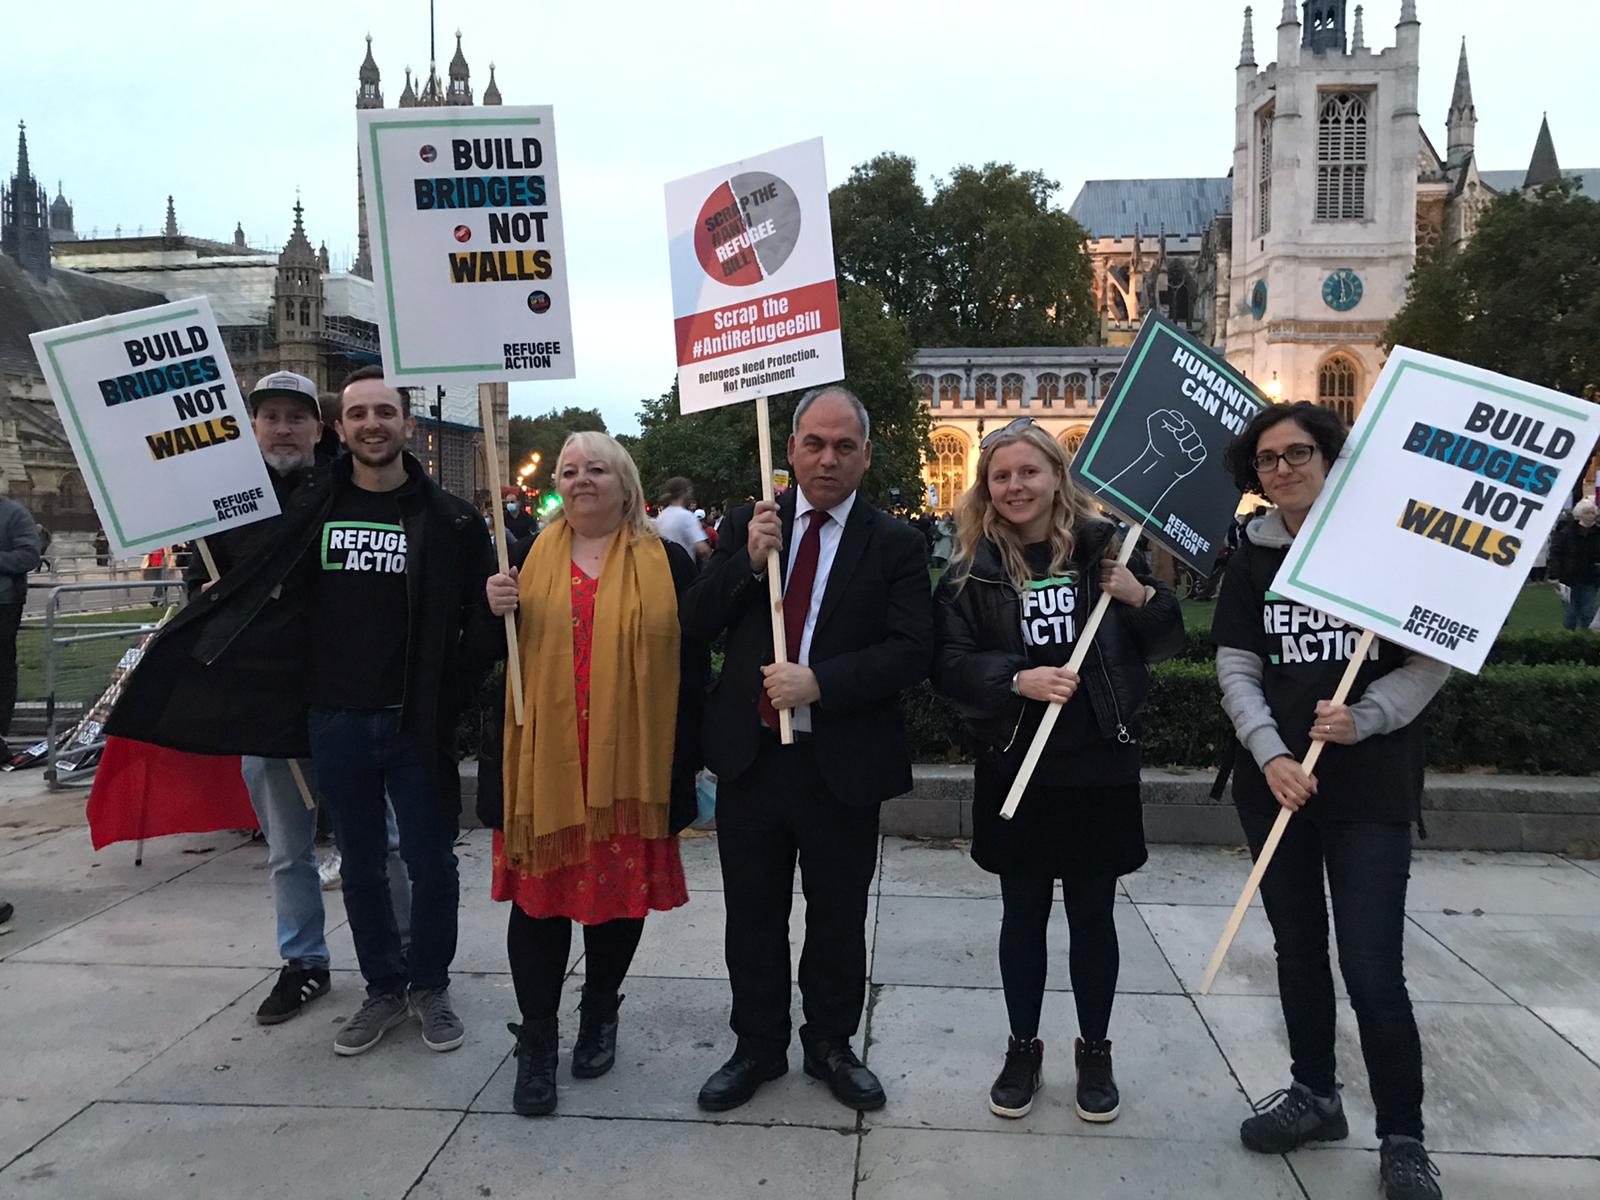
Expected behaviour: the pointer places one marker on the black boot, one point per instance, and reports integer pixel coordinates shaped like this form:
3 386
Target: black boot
1098 1100
535 1092
596 1050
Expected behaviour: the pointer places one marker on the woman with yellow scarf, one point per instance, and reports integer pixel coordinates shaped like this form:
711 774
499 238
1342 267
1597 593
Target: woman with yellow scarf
599 778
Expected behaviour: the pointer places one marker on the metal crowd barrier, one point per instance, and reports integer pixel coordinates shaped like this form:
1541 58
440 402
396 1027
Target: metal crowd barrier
69 766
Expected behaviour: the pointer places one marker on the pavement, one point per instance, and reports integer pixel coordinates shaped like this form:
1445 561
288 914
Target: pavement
131 1066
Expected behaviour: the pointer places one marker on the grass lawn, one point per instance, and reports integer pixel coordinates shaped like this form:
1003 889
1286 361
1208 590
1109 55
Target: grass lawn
82 668
1537 608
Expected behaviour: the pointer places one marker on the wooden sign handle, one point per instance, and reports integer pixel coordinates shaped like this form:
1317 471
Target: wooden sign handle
780 648
1031 760
210 562
1270 846
491 456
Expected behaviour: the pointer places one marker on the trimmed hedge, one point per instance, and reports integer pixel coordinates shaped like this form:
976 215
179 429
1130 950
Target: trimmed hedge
1532 718
1522 719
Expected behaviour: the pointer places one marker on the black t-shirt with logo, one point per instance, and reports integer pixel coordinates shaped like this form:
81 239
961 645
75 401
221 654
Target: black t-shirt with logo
359 645
1304 653
1053 613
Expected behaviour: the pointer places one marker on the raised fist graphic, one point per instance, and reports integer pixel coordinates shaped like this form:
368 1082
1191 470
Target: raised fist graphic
1174 452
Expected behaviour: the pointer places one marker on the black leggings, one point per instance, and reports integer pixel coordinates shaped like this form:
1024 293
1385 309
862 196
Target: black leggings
1092 960
538 949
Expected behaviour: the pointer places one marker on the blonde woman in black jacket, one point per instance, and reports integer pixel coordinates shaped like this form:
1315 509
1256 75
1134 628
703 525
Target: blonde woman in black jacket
1032 558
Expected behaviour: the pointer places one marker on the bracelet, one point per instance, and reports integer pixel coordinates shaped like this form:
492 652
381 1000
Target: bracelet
1015 690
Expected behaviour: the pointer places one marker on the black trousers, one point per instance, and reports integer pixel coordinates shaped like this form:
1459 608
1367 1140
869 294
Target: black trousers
10 618
777 812
538 949
1367 866
1092 961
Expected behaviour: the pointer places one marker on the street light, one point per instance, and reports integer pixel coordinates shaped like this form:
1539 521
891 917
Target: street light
1274 389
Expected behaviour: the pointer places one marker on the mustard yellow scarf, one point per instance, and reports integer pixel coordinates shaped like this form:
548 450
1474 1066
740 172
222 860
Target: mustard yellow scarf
550 820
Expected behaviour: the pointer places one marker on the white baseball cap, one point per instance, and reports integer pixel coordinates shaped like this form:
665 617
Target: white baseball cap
285 383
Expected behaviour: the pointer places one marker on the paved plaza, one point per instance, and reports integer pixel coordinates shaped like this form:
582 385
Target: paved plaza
131 1066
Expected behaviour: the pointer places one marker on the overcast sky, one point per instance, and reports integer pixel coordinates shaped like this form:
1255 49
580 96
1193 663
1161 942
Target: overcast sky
230 112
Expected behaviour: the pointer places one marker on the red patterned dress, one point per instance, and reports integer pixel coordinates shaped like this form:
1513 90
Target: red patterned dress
626 876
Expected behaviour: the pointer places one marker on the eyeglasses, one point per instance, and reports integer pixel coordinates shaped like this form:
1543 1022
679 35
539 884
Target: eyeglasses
1016 426
1297 455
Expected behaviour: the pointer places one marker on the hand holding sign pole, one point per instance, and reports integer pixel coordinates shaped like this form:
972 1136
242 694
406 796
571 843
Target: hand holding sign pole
1270 847
514 681
755 302
1154 455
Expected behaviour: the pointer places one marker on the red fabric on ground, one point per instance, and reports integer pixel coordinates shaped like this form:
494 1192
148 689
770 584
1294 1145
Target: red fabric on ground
146 791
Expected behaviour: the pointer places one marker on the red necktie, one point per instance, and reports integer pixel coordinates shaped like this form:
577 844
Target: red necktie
797 599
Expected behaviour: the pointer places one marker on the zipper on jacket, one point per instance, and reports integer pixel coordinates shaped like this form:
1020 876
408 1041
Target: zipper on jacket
1123 735
1023 710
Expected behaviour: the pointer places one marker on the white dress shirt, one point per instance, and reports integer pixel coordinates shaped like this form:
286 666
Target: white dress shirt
827 549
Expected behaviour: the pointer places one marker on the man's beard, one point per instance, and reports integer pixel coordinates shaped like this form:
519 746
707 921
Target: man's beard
283 462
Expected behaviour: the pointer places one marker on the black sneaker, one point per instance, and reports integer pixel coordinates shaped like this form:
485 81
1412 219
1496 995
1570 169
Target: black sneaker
1290 1118
297 986
1405 1170
5 911
1098 1099
1019 1079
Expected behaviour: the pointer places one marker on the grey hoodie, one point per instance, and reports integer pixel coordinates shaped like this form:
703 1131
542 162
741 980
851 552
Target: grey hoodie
1389 703
19 550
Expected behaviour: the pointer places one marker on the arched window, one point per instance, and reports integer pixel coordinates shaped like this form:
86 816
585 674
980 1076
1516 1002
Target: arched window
922 388
983 391
1336 386
1076 390
305 312
1342 157
1072 439
1107 382
950 390
1264 171
1011 389
1049 389
948 467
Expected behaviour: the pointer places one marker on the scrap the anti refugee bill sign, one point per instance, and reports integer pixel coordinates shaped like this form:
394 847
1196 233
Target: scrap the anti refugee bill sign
1429 522
464 213
158 424
1154 453
753 295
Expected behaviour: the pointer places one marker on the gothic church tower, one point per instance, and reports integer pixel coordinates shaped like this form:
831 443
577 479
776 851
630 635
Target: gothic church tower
297 305
1325 163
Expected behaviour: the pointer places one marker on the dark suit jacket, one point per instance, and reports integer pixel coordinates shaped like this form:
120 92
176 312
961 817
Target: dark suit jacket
873 639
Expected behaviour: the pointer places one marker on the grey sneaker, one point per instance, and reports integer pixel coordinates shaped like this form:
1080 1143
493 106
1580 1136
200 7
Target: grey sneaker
1290 1118
441 1029
376 1016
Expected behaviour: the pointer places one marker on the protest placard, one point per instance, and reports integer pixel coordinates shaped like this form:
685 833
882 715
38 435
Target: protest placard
753 295
468 263
158 424
1154 452
755 305
1430 520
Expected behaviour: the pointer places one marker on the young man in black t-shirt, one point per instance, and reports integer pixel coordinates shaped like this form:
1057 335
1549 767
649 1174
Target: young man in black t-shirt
398 564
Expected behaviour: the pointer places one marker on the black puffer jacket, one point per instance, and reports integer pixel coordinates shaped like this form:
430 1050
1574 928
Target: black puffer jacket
980 649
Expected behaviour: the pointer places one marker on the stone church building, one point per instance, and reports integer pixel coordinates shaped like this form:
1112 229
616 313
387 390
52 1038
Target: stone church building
1292 263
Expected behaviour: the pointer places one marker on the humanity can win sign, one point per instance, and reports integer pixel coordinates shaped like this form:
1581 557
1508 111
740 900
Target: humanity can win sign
753 291
464 210
158 424
1155 450
1429 522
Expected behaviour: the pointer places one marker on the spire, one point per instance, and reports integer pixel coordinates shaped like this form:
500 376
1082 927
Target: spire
1408 13
1543 167
368 94
23 170
1247 47
322 258
297 250
408 98
491 94
1288 17
171 229
238 235
1461 122
369 66
299 216
458 63
1359 40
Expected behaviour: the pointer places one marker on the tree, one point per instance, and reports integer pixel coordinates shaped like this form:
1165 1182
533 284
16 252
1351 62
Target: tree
545 435
1522 298
718 449
986 262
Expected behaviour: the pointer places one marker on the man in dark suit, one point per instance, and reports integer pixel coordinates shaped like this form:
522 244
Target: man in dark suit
858 621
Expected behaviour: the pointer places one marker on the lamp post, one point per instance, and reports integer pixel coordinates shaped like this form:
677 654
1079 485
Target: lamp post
1274 389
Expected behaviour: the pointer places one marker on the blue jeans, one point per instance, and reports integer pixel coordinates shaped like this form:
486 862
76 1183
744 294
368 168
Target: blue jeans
362 755
1579 611
1368 866
291 830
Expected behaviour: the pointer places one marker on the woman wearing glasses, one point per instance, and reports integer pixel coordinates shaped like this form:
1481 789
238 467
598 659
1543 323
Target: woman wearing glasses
1032 558
1278 662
